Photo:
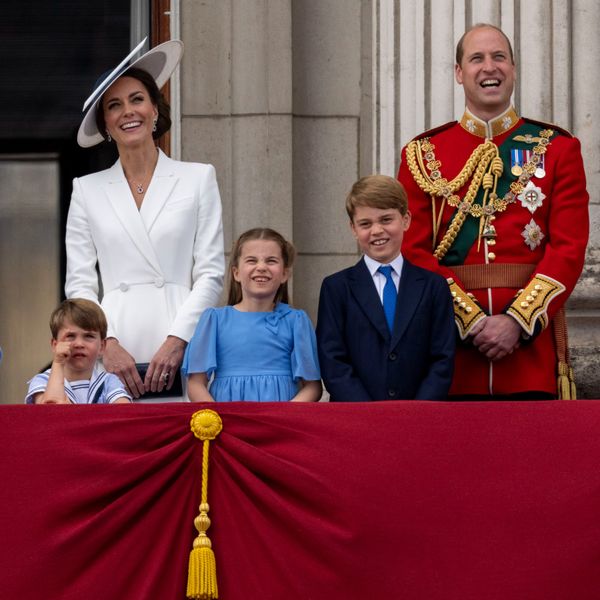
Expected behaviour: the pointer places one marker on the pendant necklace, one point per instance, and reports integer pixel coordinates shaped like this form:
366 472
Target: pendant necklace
139 187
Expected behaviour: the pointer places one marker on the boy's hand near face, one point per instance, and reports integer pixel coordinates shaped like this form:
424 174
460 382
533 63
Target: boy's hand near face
55 391
62 352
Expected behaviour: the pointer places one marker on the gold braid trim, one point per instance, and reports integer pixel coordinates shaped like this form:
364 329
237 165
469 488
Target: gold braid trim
465 206
466 310
532 302
485 167
439 186
565 381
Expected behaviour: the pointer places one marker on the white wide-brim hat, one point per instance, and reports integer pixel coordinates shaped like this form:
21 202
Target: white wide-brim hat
159 62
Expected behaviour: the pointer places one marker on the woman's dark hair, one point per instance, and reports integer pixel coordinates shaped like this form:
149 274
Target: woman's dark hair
163 124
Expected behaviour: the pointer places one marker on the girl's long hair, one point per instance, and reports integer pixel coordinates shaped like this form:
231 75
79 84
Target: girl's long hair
288 253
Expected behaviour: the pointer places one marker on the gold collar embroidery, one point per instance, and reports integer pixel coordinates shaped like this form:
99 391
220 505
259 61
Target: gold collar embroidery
489 129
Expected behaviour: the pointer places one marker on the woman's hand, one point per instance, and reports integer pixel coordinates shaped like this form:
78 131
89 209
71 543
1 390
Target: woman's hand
164 364
118 361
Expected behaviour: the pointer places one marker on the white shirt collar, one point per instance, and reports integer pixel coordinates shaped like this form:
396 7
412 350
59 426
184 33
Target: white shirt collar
373 265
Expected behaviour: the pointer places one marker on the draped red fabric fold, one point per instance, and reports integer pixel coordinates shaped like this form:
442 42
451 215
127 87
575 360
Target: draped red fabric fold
410 500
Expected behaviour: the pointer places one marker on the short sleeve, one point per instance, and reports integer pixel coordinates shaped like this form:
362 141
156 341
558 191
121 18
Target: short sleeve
114 389
201 353
37 385
305 361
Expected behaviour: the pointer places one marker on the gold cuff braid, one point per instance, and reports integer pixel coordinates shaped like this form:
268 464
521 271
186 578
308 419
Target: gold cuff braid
532 302
466 311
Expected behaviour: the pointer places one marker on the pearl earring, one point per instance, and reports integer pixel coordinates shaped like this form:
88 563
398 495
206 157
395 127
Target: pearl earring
108 138
155 120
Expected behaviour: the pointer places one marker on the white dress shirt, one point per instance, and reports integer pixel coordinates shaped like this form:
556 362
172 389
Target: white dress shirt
379 278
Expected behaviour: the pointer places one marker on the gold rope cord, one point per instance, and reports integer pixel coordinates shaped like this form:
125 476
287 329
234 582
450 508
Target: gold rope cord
441 186
482 157
202 571
565 378
476 166
463 209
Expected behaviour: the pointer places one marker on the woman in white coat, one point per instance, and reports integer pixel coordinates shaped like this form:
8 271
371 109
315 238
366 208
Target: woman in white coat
152 225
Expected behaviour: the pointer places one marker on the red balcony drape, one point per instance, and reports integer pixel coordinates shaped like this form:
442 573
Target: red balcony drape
407 500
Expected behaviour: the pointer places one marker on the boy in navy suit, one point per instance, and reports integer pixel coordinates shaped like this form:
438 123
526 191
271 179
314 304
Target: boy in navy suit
385 327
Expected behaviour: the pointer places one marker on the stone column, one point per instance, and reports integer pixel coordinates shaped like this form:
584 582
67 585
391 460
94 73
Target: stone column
584 305
327 104
236 96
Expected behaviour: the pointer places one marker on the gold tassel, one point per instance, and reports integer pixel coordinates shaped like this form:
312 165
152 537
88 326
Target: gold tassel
573 387
564 382
202 570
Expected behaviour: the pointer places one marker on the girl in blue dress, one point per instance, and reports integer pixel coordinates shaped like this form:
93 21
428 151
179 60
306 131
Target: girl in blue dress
257 347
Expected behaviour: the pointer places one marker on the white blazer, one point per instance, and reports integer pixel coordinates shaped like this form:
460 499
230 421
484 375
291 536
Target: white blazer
161 266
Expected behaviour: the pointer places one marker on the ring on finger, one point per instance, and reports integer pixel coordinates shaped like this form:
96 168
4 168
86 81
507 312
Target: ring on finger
166 376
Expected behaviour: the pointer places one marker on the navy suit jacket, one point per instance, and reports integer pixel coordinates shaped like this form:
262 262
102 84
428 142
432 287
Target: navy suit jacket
361 360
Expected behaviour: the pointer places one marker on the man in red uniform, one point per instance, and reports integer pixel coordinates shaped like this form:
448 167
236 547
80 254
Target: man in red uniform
500 208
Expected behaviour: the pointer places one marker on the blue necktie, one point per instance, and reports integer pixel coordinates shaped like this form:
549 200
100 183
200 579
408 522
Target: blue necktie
389 295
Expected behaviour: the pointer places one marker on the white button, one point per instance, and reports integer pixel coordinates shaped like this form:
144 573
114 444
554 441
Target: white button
159 282
123 287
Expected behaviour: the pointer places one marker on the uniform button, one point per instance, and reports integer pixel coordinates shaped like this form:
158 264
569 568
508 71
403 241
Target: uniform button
393 356
491 256
391 393
123 287
159 282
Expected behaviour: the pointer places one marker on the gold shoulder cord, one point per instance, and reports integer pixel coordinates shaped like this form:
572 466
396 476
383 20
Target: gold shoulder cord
485 167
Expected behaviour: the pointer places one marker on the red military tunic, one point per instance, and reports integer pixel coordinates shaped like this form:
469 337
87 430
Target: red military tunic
519 252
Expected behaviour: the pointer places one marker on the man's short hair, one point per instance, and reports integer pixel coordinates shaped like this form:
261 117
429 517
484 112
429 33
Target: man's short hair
83 313
460 49
377 191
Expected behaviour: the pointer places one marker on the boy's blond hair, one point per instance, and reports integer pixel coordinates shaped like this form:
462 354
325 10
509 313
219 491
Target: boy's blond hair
377 191
83 313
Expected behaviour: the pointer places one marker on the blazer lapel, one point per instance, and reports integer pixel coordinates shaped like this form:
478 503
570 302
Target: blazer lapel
363 289
409 296
119 195
161 186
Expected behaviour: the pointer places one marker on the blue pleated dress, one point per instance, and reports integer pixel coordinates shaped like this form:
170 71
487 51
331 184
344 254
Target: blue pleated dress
257 356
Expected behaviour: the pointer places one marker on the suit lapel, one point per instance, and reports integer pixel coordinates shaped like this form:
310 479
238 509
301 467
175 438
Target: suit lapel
161 186
119 196
409 296
363 289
